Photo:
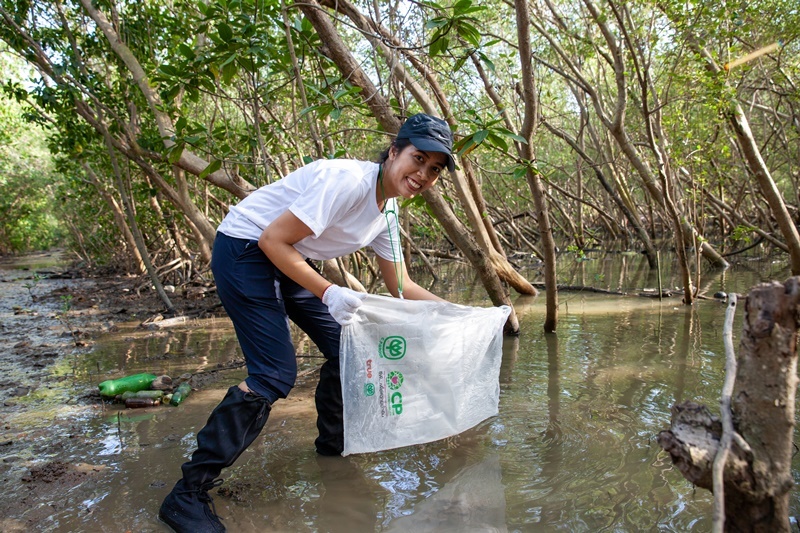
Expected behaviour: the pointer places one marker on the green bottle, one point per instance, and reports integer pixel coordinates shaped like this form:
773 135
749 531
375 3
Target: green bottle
180 393
134 383
154 394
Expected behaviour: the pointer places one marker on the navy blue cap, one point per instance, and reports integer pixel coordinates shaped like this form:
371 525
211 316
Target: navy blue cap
429 134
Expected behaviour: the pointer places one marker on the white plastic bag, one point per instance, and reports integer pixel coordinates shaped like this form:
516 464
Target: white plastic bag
418 371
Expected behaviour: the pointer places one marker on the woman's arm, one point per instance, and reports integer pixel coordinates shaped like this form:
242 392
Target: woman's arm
277 241
411 290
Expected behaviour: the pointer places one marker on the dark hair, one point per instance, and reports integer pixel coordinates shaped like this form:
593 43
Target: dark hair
400 144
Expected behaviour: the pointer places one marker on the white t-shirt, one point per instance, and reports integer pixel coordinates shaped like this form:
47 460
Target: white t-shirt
335 198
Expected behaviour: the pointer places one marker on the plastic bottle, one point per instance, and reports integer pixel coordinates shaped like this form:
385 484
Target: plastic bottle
133 383
180 393
135 403
155 394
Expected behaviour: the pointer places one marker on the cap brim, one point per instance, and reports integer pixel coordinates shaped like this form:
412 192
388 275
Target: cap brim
430 145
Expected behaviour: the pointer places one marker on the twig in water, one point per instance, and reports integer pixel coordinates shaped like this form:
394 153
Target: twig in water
119 429
718 524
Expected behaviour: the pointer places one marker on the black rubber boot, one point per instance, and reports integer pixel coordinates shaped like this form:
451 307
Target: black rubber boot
232 427
330 414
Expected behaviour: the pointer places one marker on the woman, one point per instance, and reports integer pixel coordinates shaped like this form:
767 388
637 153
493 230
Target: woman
260 262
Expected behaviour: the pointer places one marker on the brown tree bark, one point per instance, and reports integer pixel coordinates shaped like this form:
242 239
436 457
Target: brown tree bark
465 184
119 218
384 114
188 161
614 122
529 125
757 475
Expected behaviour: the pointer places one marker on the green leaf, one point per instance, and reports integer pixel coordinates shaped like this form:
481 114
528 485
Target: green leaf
324 110
436 23
433 5
225 32
506 133
496 140
169 95
210 169
439 45
307 110
247 64
488 62
469 33
174 152
186 51
520 172
228 59
466 145
180 124
168 70
460 6
417 201
208 84
480 136
228 72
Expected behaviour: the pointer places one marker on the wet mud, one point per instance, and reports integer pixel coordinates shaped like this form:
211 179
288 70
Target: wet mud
50 319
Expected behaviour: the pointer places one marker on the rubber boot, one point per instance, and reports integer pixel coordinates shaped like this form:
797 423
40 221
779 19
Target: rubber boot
232 427
330 414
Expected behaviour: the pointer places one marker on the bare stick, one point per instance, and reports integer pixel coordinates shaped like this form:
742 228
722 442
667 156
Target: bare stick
752 55
718 524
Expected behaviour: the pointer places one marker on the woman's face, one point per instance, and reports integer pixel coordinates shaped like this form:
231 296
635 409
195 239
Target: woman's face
410 171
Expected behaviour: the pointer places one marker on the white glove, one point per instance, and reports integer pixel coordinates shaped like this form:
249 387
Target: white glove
342 303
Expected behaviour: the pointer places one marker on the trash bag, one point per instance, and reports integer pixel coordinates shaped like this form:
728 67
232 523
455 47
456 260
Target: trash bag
418 371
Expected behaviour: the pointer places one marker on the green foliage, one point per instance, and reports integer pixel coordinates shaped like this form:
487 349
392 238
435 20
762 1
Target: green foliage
225 76
580 254
742 233
490 132
226 39
28 220
463 22
30 285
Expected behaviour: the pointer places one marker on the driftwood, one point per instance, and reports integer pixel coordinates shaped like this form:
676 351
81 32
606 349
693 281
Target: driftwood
159 322
757 472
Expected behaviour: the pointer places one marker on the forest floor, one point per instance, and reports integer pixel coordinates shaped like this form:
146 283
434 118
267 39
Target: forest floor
49 313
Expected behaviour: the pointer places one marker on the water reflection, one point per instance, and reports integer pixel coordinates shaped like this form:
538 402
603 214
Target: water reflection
473 499
573 447
346 504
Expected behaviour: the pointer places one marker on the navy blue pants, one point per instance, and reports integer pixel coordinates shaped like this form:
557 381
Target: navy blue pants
259 300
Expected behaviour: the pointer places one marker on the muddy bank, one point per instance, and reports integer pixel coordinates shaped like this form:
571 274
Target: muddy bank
50 318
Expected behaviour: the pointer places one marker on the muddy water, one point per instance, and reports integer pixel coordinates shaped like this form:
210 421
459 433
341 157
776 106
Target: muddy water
573 448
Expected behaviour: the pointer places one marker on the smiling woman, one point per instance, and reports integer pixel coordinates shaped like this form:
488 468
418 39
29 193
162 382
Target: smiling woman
408 171
261 264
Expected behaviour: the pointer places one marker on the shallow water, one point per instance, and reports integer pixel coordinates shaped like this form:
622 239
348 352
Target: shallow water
572 449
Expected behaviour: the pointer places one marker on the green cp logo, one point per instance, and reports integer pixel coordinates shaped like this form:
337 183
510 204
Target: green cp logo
393 348
369 389
394 380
